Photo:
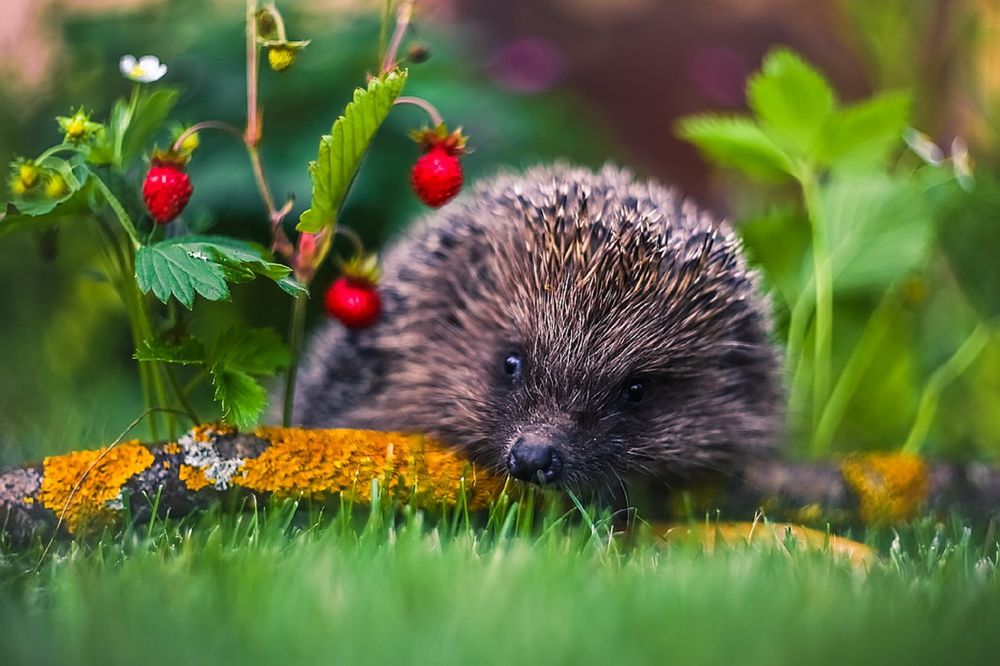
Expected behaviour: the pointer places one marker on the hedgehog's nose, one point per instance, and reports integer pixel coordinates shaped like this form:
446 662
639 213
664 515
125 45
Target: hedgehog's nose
533 459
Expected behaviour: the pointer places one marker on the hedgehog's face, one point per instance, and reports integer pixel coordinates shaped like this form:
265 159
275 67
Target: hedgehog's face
577 335
586 384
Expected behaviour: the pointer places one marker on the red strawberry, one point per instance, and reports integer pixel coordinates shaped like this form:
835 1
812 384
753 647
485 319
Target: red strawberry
354 302
437 177
166 189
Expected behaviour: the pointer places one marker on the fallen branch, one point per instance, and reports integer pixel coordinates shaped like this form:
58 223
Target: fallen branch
85 490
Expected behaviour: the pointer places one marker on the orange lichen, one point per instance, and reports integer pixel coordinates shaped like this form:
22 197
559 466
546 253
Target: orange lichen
891 487
710 535
101 474
193 477
172 448
316 463
206 432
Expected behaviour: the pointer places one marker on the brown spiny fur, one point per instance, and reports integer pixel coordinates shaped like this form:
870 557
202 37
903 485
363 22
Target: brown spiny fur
595 279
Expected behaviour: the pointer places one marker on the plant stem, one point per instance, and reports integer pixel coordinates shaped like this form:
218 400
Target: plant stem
252 134
823 275
180 393
57 149
206 124
429 108
295 333
946 373
857 365
403 16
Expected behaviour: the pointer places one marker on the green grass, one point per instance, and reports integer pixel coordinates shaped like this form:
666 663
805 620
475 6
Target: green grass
280 587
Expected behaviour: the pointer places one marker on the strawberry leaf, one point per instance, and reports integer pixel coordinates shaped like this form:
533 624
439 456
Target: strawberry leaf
736 142
188 265
864 133
791 100
341 151
233 360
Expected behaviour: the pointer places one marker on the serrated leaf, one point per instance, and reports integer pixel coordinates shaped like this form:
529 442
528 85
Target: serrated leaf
863 134
189 351
186 265
738 143
879 230
341 151
241 396
233 359
792 101
258 351
181 272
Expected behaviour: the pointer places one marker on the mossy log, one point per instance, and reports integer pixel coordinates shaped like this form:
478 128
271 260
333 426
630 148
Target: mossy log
85 490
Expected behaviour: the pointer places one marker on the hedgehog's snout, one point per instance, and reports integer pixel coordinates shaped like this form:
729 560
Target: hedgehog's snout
533 458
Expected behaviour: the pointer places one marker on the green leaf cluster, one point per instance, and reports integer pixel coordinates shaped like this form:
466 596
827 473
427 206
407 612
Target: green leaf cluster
798 125
184 266
235 362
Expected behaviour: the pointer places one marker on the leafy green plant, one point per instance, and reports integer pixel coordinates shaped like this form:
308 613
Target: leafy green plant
93 177
860 228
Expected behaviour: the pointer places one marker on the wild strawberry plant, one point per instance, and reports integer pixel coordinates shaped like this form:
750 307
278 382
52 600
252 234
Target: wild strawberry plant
112 174
866 219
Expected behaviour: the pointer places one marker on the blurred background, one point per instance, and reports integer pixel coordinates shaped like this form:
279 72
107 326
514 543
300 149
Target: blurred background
530 81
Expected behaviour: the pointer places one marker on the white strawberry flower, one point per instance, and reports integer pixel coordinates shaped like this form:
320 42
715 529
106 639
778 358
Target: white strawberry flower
146 69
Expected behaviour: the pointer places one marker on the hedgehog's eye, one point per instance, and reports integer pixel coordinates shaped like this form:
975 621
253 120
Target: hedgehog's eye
633 391
513 366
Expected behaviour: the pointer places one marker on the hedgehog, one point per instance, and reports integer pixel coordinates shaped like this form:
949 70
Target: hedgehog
566 327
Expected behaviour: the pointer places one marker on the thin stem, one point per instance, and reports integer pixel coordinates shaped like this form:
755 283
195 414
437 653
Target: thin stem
823 275
946 373
353 237
857 365
403 17
252 134
193 383
429 108
206 124
56 149
279 22
295 334
119 211
180 393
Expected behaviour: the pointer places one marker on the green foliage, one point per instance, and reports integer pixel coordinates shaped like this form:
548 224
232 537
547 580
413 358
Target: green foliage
859 232
798 125
880 230
792 101
234 361
739 143
132 125
341 151
970 237
187 265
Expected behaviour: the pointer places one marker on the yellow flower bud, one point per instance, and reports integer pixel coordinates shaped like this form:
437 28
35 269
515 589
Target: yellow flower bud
55 187
17 187
190 143
280 57
28 175
77 127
